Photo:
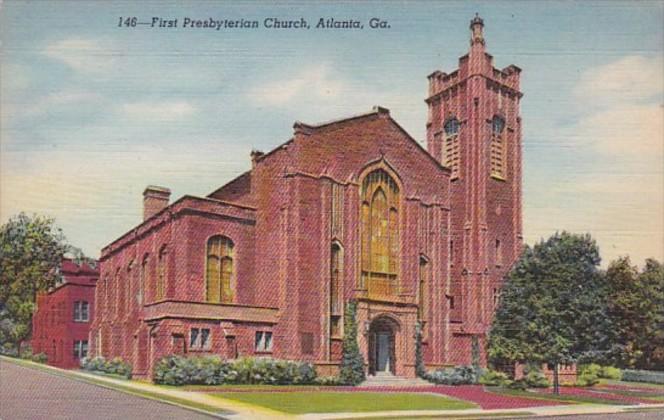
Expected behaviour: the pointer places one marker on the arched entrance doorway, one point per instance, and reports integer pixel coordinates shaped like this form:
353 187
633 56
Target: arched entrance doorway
382 355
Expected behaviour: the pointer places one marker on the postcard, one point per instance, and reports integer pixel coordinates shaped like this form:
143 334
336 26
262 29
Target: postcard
334 209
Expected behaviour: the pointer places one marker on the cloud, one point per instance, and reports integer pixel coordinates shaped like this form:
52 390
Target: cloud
314 82
82 55
629 79
53 101
614 185
157 111
620 104
623 212
100 188
625 131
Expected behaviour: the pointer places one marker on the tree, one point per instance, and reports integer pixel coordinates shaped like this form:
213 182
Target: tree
31 249
420 368
651 282
551 308
635 308
623 302
352 362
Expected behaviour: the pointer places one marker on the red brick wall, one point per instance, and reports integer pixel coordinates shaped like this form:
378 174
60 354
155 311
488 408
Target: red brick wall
484 209
53 327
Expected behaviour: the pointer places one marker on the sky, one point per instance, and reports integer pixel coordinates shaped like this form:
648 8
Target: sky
93 112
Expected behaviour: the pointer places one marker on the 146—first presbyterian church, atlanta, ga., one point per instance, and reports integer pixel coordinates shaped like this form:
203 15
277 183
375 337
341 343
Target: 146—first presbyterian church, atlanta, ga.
353 209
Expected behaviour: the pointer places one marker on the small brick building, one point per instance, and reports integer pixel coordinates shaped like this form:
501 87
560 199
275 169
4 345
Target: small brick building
61 322
353 209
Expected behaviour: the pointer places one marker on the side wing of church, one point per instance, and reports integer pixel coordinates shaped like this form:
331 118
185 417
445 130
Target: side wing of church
353 209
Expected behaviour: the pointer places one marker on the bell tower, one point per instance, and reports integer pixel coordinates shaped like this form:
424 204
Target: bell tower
474 129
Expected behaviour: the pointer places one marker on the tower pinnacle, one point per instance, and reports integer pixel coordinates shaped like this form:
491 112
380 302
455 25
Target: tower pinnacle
476 27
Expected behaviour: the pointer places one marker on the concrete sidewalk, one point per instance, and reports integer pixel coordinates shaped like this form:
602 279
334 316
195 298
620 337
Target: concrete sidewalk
567 410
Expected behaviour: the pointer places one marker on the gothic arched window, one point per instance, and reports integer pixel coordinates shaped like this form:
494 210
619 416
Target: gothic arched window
497 152
423 290
336 267
380 233
219 270
452 150
162 261
142 279
423 295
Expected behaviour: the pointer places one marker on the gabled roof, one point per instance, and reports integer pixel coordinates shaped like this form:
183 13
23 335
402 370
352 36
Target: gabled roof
301 128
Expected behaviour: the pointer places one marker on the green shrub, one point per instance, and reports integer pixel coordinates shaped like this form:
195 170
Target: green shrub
610 372
588 375
649 376
420 369
8 349
458 375
519 384
534 378
26 353
494 378
352 362
592 369
328 381
587 379
211 370
40 358
116 366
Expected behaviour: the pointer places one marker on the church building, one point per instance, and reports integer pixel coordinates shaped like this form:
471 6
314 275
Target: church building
351 209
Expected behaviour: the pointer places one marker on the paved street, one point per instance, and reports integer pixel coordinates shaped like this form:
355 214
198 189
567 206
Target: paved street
31 394
643 415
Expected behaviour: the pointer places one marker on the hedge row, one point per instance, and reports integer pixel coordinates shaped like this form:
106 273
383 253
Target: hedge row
211 370
116 366
651 376
458 375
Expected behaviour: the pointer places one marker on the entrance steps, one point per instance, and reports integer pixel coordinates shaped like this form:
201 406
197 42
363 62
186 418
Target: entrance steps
389 380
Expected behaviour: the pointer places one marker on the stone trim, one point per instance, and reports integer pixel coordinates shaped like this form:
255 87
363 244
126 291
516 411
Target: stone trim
222 312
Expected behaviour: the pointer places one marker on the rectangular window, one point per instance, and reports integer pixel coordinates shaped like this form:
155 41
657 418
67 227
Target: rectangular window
263 341
335 326
496 296
205 337
193 338
85 311
77 311
81 311
499 253
199 339
80 349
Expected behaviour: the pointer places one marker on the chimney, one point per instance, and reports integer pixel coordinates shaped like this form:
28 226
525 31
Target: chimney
155 199
256 155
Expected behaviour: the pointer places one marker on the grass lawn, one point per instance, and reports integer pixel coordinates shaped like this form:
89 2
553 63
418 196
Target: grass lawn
633 384
337 402
505 414
245 388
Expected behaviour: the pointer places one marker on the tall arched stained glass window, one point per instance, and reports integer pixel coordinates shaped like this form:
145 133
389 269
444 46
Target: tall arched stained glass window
380 233
219 270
